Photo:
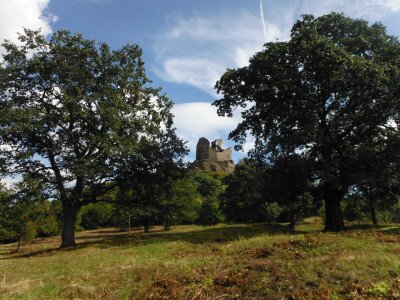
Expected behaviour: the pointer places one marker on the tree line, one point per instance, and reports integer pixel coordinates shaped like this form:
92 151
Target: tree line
81 125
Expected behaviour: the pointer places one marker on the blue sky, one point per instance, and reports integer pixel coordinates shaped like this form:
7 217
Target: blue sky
187 44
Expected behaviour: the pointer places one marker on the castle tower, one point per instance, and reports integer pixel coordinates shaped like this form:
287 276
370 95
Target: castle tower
202 149
213 157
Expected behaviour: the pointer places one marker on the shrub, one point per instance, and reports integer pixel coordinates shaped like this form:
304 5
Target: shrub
272 211
29 232
210 213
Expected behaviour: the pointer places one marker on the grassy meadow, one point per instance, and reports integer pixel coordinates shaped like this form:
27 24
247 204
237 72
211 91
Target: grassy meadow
254 261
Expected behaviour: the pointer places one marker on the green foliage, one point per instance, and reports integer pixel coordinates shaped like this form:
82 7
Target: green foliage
244 196
47 220
329 95
96 215
7 230
83 117
210 189
210 213
183 204
208 186
358 209
272 212
28 232
47 225
25 214
396 213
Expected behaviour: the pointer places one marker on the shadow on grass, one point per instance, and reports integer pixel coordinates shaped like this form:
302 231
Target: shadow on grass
225 234
197 236
43 252
384 228
391 230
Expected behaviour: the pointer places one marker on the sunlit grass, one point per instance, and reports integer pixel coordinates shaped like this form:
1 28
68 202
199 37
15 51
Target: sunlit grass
195 262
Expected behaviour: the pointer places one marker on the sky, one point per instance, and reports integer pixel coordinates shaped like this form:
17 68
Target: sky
187 44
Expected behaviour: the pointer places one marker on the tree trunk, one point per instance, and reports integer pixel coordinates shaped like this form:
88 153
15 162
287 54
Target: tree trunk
68 233
373 213
292 222
167 225
147 226
333 210
129 224
19 244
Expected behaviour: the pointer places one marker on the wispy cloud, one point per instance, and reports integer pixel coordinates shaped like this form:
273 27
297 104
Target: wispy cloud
197 50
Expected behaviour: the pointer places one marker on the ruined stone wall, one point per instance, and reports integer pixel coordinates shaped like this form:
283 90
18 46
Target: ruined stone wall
220 156
212 156
225 155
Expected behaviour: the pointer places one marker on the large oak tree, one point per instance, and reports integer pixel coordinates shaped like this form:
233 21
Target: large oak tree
82 118
330 94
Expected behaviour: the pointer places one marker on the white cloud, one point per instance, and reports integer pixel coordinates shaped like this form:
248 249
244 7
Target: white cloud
17 14
197 50
199 119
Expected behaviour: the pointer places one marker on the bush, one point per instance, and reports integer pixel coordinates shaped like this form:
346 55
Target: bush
47 226
272 211
396 213
94 216
29 232
210 213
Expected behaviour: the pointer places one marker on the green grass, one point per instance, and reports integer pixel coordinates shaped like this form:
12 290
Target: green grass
192 262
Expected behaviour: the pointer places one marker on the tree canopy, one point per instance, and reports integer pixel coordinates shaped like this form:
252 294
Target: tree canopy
330 94
81 118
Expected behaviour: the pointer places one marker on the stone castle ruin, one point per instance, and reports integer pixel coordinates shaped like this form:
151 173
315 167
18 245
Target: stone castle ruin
213 157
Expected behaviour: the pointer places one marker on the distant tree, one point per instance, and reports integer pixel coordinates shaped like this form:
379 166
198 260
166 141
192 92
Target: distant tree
144 192
354 208
17 219
395 210
244 197
210 189
208 186
331 93
81 117
182 204
143 203
29 232
290 184
378 182
272 211
7 233
210 212
96 215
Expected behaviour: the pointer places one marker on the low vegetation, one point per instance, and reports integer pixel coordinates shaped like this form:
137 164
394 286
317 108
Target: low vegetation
193 262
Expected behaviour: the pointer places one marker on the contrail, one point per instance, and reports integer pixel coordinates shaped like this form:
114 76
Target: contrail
263 21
